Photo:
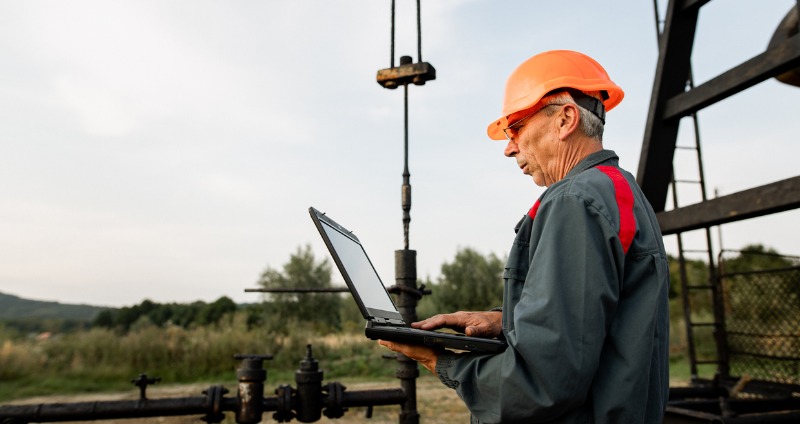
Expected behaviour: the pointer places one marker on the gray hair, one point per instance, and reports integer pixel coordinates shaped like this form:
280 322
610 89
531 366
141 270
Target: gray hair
591 125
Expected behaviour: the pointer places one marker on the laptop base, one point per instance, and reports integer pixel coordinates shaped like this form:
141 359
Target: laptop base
433 339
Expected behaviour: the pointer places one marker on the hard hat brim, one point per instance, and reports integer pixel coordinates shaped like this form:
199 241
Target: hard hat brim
549 72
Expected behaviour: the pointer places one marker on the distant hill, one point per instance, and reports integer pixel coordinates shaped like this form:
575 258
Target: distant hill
14 308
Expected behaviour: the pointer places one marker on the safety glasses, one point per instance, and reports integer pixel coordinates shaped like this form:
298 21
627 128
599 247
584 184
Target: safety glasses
511 130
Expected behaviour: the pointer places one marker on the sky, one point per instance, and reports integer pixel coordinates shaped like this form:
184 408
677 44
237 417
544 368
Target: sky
169 150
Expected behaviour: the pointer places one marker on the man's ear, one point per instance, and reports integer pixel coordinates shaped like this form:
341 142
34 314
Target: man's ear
568 120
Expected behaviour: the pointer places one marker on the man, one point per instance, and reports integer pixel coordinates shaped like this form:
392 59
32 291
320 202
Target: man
585 309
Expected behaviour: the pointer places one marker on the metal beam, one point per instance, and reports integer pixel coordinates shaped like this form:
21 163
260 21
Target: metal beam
693 4
672 72
767 199
784 57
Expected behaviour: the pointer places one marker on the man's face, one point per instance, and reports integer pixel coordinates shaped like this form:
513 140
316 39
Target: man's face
531 146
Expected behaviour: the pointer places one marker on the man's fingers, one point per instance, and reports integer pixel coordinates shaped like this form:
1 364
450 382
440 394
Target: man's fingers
439 321
474 324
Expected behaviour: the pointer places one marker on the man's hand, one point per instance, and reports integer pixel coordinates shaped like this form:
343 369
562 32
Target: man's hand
422 354
475 324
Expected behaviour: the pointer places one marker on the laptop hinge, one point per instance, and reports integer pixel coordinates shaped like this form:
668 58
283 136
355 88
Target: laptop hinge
388 321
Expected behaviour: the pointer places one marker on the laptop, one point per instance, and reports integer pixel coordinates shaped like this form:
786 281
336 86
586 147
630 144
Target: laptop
383 319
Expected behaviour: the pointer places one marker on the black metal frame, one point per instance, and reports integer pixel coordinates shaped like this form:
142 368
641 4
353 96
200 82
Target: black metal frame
672 99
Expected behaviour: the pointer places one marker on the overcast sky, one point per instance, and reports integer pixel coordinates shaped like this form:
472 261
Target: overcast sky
169 150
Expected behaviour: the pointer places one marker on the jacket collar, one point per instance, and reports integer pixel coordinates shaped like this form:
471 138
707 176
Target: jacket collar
593 160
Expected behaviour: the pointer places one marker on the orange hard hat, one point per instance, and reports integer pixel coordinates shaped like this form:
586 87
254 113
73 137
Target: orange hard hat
549 71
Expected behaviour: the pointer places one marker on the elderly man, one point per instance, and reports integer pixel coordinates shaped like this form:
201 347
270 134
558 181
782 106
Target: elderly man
585 310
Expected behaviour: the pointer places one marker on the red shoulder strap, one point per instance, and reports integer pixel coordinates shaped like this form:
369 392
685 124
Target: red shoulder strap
624 195
532 211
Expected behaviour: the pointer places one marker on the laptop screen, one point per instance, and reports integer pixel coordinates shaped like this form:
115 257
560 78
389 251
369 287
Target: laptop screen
359 269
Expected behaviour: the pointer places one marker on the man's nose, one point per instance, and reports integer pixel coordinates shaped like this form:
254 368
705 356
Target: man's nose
511 149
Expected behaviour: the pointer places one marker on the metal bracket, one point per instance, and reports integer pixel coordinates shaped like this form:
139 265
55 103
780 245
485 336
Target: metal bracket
407 73
214 395
142 381
284 412
416 293
333 400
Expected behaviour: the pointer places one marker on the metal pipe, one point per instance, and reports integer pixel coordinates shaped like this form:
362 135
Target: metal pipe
300 290
103 410
407 369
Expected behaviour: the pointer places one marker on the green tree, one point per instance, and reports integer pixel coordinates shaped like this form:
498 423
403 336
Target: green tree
756 257
104 319
472 282
318 310
212 313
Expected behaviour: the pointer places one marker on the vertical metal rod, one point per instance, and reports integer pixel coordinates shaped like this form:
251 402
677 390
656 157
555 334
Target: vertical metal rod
406 190
685 300
719 227
419 32
658 23
720 333
391 59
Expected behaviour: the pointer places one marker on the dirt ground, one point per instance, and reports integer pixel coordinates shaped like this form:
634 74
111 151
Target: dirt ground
436 404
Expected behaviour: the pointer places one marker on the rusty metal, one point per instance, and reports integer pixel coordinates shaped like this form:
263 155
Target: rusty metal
407 73
251 376
305 403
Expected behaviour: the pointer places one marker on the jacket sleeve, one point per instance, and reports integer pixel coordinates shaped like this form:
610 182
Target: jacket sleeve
555 318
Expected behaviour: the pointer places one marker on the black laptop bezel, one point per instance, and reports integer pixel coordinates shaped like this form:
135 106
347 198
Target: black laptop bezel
378 315
389 325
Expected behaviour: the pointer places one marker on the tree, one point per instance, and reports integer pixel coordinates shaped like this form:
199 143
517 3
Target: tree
212 313
320 310
104 319
756 257
472 282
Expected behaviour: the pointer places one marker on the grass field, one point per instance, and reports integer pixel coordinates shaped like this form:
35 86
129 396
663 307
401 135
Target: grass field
98 365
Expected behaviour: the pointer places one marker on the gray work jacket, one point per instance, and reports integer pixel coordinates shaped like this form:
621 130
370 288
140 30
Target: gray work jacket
585 310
